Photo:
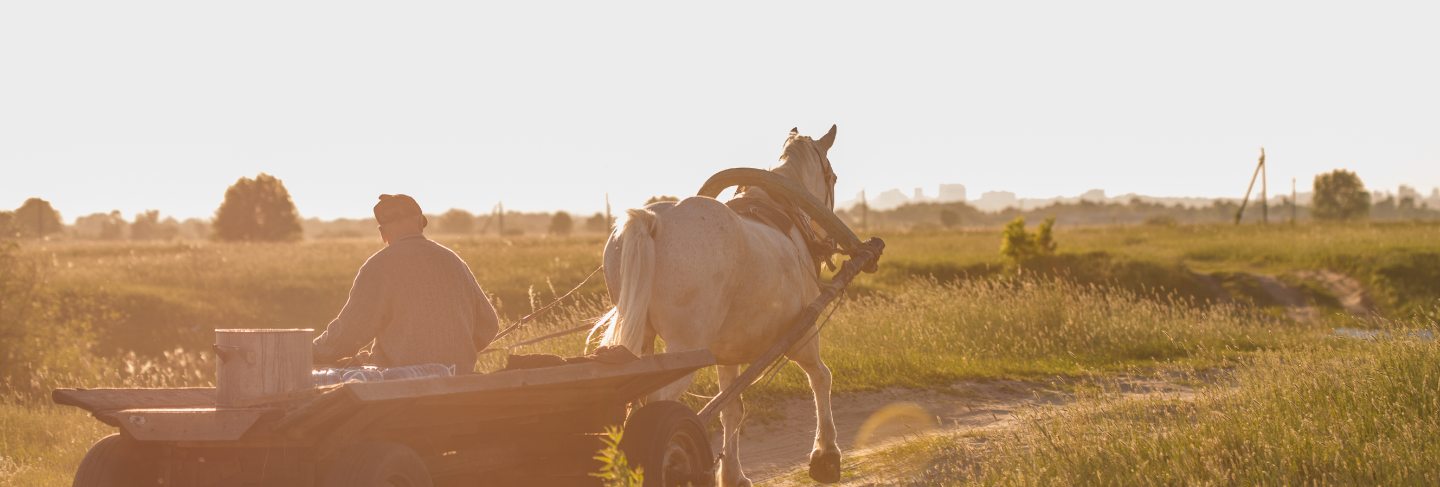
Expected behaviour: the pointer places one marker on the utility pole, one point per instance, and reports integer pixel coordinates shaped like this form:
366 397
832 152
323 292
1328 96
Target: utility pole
1264 190
1259 169
500 217
609 220
1293 203
864 212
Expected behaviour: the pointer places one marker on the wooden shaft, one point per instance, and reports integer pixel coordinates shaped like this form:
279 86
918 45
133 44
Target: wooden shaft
865 258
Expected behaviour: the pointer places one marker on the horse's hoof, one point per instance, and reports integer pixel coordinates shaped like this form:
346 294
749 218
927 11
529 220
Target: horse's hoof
825 467
740 482
731 476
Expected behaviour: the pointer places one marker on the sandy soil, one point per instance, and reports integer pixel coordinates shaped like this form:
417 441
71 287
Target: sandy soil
1346 289
772 450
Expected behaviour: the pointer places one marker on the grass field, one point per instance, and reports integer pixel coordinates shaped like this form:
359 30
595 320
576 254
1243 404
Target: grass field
1337 412
944 307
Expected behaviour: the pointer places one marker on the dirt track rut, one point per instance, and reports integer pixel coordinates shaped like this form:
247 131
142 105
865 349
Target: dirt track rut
769 451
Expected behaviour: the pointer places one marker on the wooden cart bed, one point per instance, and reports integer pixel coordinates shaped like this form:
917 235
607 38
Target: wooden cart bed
443 406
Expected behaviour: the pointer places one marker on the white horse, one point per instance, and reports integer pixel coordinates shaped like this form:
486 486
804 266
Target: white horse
701 277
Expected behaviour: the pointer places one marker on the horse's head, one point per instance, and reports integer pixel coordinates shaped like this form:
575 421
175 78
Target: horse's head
807 161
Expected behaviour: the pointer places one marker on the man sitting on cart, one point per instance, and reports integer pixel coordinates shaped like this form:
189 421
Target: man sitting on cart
415 299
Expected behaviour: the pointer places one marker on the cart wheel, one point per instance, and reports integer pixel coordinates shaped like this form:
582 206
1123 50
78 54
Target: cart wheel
116 461
377 464
669 443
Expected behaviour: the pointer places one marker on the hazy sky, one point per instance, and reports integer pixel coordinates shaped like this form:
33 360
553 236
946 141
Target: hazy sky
136 105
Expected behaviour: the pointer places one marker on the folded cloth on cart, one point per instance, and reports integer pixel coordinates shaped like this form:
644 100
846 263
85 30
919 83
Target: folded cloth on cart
325 376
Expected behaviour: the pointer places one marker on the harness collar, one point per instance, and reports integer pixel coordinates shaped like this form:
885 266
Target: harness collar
775 213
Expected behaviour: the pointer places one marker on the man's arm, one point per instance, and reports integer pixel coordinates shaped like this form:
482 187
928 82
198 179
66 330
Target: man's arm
487 324
359 321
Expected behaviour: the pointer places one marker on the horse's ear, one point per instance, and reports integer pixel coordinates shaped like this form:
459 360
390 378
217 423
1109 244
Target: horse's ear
828 140
794 131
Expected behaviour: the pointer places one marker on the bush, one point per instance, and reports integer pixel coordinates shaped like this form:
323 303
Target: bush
1020 246
615 470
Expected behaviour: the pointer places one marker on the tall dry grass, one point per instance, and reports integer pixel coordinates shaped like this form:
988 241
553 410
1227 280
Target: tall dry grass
1342 412
78 314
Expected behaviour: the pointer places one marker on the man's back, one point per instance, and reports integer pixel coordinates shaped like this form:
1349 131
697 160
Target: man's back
420 303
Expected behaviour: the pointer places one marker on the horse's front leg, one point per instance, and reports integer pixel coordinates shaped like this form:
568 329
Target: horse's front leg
825 457
730 418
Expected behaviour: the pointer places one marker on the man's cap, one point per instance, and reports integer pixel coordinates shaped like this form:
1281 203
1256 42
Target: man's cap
393 207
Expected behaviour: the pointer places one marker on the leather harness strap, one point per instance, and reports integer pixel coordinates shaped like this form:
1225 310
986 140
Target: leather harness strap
768 211
763 210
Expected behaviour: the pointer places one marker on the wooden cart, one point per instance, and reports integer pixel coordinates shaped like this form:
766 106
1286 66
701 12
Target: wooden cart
521 427
525 427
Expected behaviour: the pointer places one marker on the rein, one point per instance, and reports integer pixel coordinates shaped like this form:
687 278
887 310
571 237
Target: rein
543 309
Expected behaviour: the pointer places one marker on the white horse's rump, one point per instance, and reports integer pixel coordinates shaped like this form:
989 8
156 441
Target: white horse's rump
701 277
636 270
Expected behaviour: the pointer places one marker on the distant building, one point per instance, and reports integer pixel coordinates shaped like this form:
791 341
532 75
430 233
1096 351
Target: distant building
1093 196
996 200
950 193
919 196
889 199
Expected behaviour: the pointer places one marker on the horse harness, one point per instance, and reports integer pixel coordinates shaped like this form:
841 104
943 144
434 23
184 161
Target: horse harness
767 210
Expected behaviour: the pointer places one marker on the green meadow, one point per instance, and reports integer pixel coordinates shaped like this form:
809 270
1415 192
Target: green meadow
944 307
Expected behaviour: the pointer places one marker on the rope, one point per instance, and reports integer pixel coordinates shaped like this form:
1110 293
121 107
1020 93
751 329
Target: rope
543 309
541 338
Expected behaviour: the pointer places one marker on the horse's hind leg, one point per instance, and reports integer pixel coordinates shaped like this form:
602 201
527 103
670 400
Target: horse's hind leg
825 458
730 419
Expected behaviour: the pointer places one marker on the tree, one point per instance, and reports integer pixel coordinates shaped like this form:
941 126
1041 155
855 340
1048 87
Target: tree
561 224
257 209
949 218
1015 242
597 223
7 224
1045 237
456 221
36 218
660 198
1340 195
148 226
103 226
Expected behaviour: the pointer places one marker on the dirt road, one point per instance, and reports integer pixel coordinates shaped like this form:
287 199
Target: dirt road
772 451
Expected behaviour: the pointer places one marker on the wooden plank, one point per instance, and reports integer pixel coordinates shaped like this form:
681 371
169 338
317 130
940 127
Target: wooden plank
355 426
662 364
331 406
508 389
188 424
256 364
101 400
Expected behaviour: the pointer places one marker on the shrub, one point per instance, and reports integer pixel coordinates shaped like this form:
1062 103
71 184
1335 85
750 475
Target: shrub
615 470
1019 245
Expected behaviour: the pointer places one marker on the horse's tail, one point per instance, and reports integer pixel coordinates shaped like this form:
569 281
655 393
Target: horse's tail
625 323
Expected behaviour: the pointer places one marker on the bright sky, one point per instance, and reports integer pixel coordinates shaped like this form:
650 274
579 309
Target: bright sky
136 105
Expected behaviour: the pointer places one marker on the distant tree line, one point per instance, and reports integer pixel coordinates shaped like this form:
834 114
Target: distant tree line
260 209
1336 196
